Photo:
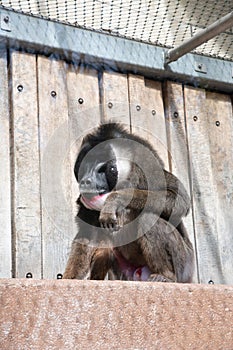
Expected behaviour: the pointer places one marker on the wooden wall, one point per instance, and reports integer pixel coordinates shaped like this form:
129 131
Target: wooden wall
46 107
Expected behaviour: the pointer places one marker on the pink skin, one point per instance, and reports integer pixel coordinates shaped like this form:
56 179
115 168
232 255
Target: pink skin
141 273
130 271
94 203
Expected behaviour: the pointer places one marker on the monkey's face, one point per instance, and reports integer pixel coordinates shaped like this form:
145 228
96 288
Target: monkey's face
110 159
97 174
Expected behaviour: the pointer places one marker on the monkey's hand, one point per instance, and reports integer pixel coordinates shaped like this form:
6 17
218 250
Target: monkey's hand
114 214
108 219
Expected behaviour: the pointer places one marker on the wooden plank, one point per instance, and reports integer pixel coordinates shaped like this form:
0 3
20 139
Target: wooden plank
5 185
115 97
72 97
55 167
83 100
220 128
26 177
147 113
211 154
178 148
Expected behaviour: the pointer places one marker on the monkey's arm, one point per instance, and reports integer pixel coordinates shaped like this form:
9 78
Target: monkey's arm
101 263
171 203
78 263
83 259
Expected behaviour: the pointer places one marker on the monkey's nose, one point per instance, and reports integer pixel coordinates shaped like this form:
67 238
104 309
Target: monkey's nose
85 182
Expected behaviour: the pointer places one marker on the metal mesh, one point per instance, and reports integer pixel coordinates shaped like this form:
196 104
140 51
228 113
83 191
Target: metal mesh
166 23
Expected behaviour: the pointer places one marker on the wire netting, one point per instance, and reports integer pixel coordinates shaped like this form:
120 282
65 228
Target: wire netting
166 23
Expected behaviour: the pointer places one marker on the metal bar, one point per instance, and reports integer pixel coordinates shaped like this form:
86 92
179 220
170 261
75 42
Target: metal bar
104 51
201 37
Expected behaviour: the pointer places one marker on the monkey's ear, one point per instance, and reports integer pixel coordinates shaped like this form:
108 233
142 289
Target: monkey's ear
111 174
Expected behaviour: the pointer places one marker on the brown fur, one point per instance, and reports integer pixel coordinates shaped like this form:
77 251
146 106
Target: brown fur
160 248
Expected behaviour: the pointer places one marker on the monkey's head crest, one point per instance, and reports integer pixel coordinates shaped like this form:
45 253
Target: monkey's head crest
103 132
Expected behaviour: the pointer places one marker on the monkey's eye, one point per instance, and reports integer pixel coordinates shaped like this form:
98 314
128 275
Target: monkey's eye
102 169
112 169
111 174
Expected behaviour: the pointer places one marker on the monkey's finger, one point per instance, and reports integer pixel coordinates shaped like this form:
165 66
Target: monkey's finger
159 278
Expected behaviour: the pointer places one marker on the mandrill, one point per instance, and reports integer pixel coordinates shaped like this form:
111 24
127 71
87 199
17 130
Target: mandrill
130 212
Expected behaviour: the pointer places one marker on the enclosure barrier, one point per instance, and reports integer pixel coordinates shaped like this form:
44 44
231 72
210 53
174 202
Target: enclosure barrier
130 41
68 314
201 37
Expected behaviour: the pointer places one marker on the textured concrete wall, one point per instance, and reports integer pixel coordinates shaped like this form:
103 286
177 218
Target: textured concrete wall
42 315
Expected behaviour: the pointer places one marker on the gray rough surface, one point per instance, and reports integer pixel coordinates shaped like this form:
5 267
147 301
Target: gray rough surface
67 314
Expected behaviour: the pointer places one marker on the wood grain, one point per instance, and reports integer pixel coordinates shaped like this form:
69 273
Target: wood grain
147 113
26 207
5 183
211 156
55 177
115 97
178 148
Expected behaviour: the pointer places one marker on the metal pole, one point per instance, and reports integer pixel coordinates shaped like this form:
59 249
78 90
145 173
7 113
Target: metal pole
201 37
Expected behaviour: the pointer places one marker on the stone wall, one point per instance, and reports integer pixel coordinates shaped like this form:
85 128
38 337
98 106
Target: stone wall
64 314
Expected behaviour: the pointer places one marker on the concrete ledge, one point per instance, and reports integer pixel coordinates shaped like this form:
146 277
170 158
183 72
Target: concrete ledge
61 314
